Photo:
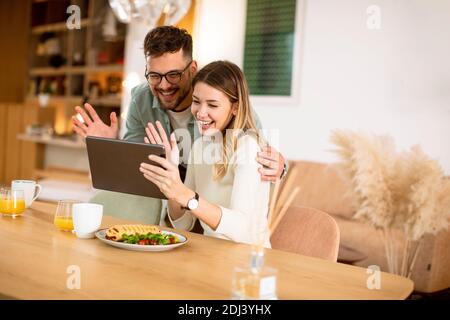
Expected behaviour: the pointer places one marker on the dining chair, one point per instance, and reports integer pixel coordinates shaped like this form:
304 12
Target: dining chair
128 206
307 231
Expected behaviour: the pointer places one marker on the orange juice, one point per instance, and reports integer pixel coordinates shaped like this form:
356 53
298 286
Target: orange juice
64 223
12 207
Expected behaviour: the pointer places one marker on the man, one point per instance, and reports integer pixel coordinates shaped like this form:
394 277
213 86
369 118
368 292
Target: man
169 72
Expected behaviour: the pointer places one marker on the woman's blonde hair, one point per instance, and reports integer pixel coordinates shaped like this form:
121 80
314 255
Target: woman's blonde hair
228 78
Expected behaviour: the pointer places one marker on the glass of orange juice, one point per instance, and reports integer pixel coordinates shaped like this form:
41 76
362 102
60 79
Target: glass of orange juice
63 216
12 202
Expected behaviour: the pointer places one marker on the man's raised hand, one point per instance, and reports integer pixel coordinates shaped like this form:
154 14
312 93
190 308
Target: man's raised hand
93 125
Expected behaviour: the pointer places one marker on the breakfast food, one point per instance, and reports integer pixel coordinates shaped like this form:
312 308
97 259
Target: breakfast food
140 234
116 232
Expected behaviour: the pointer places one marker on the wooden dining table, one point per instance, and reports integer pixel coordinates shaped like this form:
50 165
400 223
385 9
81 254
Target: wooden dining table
37 261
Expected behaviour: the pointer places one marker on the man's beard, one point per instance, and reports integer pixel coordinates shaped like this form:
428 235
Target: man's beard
173 105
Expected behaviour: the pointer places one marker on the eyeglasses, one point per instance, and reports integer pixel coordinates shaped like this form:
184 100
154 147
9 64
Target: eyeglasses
172 77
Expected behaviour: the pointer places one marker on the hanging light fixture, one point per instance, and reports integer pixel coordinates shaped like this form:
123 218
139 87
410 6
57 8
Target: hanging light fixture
149 11
176 9
122 10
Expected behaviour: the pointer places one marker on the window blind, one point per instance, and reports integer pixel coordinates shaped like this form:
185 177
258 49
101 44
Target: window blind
269 46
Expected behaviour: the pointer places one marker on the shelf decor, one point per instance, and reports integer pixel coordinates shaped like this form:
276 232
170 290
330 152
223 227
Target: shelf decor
64 63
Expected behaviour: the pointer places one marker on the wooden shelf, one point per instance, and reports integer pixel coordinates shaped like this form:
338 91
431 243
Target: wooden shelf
57 27
61 142
105 68
106 102
54 98
50 71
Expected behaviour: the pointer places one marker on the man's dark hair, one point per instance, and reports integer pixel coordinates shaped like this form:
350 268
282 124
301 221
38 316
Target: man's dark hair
165 39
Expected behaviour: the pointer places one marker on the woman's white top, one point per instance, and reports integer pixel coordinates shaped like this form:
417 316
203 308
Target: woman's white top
240 194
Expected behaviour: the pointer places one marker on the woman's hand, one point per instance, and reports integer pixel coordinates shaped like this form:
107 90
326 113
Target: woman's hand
160 137
167 179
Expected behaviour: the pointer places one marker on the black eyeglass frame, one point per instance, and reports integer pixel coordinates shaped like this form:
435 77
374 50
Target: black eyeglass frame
178 73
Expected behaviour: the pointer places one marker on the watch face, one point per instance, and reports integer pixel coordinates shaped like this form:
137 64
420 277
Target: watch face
193 204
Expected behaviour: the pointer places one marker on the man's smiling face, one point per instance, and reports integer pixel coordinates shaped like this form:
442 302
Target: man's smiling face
174 94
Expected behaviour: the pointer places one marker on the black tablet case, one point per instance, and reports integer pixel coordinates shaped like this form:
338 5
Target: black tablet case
114 165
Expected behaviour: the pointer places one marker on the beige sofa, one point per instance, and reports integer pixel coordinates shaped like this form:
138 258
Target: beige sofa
322 188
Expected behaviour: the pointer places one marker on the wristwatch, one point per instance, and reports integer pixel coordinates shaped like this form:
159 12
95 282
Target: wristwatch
192 203
284 172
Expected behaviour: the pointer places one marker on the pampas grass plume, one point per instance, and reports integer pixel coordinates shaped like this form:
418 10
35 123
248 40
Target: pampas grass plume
406 190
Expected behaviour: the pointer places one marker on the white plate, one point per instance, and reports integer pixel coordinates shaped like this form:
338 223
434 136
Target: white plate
100 234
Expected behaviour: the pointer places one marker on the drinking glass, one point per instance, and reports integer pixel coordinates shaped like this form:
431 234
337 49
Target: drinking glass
63 216
12 202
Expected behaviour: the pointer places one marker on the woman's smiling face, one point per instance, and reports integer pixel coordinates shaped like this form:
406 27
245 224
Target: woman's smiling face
212 109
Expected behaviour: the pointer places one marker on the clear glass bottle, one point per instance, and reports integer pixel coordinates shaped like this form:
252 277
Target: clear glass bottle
255 281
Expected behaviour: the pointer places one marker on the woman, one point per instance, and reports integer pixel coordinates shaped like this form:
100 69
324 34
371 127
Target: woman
222 187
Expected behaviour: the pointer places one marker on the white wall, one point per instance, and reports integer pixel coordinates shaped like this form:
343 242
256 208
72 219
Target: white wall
134 67
395 80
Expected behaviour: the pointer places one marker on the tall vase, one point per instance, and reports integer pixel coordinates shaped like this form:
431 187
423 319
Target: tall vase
401 263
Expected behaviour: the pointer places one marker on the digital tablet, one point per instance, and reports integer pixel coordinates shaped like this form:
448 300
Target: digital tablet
114 165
